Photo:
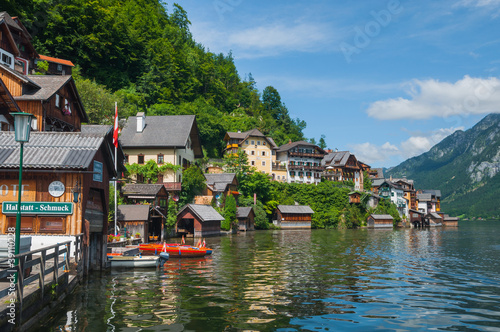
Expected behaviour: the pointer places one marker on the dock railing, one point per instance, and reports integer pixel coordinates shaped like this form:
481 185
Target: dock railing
34 266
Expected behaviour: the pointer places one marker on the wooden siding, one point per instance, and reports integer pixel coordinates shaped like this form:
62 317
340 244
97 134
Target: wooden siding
13 84
33 107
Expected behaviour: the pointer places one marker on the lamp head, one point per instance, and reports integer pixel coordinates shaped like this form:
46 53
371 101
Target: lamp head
22 126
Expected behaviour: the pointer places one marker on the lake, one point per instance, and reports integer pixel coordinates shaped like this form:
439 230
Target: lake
309 280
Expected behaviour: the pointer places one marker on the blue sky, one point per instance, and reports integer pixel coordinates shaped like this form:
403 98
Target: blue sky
385 80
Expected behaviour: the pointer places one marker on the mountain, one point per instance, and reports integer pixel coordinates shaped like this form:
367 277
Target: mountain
465 166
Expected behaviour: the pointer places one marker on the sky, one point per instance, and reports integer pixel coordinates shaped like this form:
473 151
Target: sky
383 79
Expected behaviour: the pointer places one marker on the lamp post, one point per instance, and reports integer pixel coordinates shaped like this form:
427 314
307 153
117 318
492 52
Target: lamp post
22 127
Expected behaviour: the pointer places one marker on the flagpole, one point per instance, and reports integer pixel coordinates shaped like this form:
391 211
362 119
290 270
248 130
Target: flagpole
116 165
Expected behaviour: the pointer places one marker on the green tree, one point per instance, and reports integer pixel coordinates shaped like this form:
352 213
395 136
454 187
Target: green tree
230 221
322 142
367 181
171 215
193 183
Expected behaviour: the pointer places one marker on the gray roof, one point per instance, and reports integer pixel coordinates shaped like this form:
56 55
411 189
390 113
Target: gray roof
381 216
219 181
338 158
96 129
289 146
49 85
436 193
139 212
203 212
380 173
377 182
141 189
424 197
302 209
166 131
52 150
251 133
434 215
243 212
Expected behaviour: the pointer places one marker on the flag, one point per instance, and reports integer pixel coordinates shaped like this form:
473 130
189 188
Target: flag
203 245
183 241
164 249
115 128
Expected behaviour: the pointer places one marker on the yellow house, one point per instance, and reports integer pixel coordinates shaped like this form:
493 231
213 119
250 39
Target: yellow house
172 139
260 150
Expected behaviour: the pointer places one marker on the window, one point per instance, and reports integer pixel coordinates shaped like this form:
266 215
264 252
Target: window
252 153
263 163
252 163
140 159
258 142
163 202
253 142
26 223
160 159
263 153
264 143
246 142
278 177
58 101
126 159
140 178
52 224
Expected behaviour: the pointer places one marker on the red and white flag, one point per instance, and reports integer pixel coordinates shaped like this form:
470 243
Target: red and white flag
115 128
164 249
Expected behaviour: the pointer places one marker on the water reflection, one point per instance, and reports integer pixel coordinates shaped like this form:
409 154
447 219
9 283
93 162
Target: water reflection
351 280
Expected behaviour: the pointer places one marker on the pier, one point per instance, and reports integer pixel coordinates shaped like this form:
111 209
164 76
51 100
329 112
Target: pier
45 277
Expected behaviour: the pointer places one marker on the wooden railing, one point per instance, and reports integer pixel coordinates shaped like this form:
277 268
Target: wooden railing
47 261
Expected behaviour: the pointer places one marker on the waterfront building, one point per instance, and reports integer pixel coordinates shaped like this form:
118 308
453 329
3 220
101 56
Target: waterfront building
133 219
395 193
380 221
246 218
196 220
218 187
260 149
155 197
293 216
65 188
172 139
298 162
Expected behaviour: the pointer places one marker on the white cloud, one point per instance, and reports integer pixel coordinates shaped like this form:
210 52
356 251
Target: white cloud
480 3
432 98
415 145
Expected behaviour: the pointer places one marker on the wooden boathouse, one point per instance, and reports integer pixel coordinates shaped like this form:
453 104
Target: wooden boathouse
380 221
294 216
196 220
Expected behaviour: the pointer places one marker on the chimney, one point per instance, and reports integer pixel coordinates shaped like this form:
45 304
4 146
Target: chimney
141 122
289 141
239 131
336 150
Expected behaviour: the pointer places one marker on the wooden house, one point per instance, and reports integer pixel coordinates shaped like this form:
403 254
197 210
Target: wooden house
198 221
450 221
380 221
354 197
156 196
7 105
294 216
416 218
246 218
57 66
65 187
433 220
135 219
343 166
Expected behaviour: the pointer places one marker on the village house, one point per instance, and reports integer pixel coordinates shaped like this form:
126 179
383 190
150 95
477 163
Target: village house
155 197
246 218
395 193
56 66
260 150
429 200
218 187
301 161
171 140
343 166
293 216
410 194
196 220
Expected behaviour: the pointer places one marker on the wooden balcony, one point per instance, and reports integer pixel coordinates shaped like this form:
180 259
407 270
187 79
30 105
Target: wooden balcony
279 167
317 168
303 154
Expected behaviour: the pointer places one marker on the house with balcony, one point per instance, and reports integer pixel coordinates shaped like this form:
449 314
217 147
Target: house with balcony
429 201
343 166
260 149
168 140
301 162
218 187
395 193
409 191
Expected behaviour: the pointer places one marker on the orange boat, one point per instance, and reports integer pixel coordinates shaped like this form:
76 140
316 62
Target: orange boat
174 249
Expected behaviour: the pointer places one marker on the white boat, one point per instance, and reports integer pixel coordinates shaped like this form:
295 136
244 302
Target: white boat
138 260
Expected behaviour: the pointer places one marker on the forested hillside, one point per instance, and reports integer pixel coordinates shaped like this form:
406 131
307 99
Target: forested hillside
465 167
142 54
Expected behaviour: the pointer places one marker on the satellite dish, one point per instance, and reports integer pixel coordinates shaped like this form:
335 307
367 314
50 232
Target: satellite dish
175 198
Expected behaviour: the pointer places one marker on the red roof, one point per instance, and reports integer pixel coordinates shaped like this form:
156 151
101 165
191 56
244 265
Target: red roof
56 60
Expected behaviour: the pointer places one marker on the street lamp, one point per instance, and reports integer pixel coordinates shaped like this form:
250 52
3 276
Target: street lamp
22 128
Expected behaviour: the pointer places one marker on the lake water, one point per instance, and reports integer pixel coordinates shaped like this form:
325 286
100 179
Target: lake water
317 280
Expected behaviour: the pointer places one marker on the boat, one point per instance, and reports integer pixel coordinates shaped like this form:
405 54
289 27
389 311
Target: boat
120 260
174 249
